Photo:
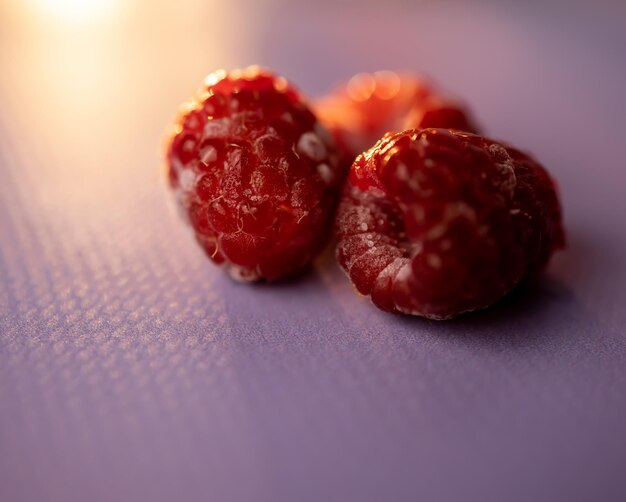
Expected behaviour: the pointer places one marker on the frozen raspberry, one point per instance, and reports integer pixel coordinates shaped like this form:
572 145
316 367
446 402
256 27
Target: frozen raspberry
360 112
254 173
437 222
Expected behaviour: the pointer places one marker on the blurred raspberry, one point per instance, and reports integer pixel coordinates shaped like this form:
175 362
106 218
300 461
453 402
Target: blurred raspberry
369 105
255 174
436 222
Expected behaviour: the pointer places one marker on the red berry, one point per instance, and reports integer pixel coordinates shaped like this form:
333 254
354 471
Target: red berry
437 222
361 111
255 173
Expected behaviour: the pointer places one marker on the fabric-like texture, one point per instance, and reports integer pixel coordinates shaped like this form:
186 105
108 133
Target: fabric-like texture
132 369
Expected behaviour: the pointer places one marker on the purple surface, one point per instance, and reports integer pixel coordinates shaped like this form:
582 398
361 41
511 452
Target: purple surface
131 369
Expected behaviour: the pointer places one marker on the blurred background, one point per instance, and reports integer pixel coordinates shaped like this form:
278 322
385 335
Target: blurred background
130 369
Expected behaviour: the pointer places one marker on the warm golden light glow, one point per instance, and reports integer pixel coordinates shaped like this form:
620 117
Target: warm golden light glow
76 10
215 77
388 84
361 86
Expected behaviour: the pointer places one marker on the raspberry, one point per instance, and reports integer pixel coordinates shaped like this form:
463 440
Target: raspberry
255 174
438 222
360 112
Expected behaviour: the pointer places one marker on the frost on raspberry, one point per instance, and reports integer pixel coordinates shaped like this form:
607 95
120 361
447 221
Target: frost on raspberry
369 105
438 222
254 173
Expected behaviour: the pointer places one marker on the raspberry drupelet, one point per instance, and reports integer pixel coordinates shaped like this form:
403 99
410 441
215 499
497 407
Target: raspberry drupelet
369 105
254 173
438 222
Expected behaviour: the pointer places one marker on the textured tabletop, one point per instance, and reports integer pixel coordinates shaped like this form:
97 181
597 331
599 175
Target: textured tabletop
131 369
